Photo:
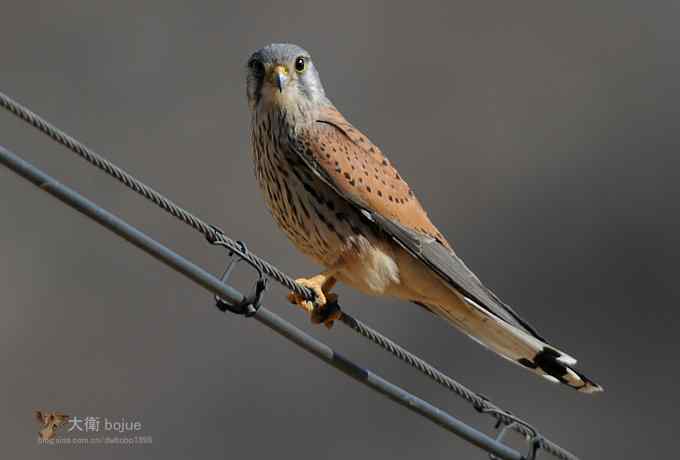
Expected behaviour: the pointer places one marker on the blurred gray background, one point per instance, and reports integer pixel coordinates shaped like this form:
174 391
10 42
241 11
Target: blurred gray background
542 137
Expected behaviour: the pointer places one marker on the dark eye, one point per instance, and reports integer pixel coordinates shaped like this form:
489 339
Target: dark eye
300 64
256 66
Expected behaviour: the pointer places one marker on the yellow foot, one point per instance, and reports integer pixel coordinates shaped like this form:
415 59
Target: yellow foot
325 309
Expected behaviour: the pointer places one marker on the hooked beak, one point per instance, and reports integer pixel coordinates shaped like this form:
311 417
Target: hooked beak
279 76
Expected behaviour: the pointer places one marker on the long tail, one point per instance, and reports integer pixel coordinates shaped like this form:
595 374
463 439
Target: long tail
518 345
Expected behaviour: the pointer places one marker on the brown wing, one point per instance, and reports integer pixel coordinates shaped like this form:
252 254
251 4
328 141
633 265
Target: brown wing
356 169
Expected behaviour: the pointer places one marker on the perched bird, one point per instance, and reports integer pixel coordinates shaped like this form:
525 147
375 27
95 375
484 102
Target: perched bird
341 202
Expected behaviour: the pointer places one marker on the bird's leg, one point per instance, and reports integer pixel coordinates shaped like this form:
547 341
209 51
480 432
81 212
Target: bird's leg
321 285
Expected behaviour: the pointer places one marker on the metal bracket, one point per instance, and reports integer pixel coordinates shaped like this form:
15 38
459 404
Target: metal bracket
251 303
534 439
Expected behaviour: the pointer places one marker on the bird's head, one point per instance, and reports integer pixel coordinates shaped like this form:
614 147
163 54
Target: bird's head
283 76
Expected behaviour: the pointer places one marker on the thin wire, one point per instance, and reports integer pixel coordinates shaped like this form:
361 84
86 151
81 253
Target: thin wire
210 232
210 282
213 234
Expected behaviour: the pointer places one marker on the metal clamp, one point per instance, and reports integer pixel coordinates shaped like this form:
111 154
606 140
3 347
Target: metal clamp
250 303
534 439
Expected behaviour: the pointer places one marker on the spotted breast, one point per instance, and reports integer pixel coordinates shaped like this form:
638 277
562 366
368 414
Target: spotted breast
313 216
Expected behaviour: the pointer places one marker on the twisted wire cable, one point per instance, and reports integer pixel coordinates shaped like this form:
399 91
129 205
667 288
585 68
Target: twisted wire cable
214 234
211 233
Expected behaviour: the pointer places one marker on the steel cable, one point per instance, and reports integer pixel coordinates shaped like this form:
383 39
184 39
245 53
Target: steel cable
214 234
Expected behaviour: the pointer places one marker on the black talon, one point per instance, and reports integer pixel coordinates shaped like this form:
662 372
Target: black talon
323 314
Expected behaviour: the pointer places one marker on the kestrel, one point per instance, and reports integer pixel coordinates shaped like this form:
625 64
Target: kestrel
341 202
